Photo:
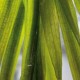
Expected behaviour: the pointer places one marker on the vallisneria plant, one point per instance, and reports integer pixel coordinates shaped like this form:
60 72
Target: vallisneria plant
36 24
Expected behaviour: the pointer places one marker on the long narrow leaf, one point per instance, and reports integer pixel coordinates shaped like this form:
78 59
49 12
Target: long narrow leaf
67 16
48 69
77 3
70 35
12 51
6 23
51 35
30 40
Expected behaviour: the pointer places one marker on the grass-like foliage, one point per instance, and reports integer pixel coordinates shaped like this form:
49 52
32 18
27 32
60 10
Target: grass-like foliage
36 24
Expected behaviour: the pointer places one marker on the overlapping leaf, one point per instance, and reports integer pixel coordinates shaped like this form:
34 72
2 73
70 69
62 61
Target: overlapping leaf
51 35
29 61
14 42
42 58
70 34
48 68
4 16
77 3
6 23
67 16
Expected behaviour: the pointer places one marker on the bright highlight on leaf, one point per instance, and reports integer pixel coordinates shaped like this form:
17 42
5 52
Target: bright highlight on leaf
36 25
77 3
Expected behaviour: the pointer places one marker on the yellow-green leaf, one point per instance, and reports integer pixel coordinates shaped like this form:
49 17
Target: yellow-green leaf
67 16
51 35
30 40
48 68
14 44
77 3
70 34
9 13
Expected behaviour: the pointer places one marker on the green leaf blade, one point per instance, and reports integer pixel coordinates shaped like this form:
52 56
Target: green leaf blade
77 3
67 16
71 36
10 57
51 34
